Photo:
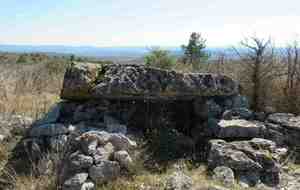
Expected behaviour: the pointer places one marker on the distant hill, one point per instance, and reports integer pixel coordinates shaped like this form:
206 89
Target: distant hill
100 52
78 50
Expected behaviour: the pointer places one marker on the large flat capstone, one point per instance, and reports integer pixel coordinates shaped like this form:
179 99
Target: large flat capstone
93 81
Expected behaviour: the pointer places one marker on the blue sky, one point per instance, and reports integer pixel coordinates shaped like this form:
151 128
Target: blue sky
145 23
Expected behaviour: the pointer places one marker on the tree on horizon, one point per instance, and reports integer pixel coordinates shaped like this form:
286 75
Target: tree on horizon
194 52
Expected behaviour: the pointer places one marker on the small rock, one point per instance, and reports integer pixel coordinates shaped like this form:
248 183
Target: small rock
179 181
121 142
88 186
262 186
123 158
102 136
85 186
224 175
76 180
103 153
89 143
2 138
280 153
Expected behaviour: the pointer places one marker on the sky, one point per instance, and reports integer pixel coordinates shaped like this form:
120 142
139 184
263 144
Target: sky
109 23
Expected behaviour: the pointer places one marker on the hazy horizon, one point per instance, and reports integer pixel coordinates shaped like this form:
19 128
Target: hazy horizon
134 23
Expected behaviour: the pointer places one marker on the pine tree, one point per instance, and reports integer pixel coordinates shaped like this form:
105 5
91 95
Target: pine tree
194 52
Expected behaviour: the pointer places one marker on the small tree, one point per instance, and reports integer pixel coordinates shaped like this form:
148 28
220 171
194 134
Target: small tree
194 52
21 59
292 87
72 58
159 58
259 69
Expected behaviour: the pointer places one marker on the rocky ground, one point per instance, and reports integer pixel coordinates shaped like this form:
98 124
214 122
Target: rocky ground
185 131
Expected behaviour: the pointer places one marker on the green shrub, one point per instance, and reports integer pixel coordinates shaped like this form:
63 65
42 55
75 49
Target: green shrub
160 59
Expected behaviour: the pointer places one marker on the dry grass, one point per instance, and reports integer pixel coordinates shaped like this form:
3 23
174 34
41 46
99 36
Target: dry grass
11 180
29 89
34 183
4 154
157 181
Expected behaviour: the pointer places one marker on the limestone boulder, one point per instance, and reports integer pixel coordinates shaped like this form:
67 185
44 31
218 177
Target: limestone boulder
224 154
94 81
280 118
284 128
257 157
286 120
79 80
239 128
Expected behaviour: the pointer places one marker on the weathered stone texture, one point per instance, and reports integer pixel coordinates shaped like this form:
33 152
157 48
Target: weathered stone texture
91 81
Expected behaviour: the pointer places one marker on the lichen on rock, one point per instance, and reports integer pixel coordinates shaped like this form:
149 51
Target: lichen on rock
91 81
